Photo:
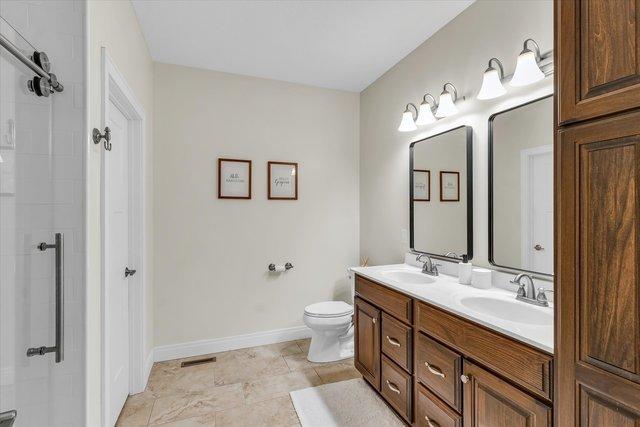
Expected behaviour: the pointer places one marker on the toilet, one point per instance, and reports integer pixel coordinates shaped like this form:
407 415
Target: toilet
331 324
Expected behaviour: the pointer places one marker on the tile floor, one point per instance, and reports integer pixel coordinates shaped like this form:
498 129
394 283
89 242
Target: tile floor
247 387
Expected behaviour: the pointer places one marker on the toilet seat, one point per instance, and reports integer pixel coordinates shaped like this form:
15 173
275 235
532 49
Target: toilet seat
328 309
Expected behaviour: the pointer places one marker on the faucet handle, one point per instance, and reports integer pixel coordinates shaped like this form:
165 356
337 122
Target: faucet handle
542 295
521 291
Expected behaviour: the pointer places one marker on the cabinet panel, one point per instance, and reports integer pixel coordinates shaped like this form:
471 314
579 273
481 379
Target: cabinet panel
598 256
597 409
396 387
394 303
597 57
397 342
439 369
367 341
490 401
610 295
431 411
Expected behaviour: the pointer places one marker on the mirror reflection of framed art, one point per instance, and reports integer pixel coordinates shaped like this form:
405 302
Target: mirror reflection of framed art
421 185
282 180
449 186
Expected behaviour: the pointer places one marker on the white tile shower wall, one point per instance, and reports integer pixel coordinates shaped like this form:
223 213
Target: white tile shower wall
48 196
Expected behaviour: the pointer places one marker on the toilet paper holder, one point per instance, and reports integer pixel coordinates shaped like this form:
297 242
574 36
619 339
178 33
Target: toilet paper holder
287 266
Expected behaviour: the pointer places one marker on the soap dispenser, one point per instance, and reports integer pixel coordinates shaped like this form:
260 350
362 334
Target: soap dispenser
464 270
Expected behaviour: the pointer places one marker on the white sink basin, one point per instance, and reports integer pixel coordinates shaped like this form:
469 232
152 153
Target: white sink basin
409 277
513 311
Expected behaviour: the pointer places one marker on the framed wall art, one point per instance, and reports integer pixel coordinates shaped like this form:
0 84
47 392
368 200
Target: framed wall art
421 185
282 180
234 179
449 186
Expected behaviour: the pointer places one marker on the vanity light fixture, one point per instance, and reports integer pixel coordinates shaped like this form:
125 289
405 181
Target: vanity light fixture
425 113
527 68
446 106
408 119
492 81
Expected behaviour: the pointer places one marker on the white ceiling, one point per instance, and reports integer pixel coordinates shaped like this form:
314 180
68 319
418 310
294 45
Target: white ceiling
334 44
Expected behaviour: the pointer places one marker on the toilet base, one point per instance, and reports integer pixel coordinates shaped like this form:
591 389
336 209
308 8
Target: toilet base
327 346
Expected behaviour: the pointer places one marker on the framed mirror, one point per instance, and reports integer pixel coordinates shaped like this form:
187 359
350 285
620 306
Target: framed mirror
521 187
440 194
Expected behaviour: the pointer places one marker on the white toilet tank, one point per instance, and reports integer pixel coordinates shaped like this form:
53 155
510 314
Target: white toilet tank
352 283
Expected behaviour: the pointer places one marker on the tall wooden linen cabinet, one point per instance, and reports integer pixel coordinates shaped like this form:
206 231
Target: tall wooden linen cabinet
597 205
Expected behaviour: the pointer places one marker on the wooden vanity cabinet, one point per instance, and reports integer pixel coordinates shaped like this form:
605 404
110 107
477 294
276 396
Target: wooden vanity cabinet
437 369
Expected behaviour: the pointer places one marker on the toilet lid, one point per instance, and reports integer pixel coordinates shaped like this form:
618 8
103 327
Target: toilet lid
328 309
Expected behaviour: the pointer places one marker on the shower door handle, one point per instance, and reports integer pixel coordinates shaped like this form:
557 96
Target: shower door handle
58 349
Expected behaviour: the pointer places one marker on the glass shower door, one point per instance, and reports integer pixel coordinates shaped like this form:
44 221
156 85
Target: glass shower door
41 205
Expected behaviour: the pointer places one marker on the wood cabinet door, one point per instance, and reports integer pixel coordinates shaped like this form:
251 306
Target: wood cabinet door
491 401
598 263
367 341
597 52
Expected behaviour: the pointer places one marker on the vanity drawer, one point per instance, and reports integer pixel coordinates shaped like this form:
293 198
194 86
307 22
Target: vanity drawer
392 302
528 367
397 341
396 387
439 368
432 412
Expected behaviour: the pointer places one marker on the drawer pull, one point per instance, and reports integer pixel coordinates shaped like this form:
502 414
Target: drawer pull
394 388
393 341
431 423
434 370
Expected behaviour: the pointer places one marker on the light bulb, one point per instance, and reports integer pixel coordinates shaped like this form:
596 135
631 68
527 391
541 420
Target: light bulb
491 85
425 115
527 70
407 124
446 107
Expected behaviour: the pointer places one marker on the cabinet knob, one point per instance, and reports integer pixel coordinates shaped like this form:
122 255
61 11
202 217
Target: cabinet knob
538 247
464 379
373 320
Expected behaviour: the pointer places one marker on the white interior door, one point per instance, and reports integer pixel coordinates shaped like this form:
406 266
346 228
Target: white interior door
117 246
538 229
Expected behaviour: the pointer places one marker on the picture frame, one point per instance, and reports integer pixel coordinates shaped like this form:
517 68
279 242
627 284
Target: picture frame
282 180
449 186
234 179
421 185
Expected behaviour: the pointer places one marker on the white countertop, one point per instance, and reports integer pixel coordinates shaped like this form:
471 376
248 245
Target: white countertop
447 294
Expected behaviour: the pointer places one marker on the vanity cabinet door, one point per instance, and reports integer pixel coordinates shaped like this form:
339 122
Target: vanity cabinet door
367 341
490 401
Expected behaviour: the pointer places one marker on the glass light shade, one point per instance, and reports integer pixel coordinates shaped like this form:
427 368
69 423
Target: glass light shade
425 115
527 70
407 124
491 85
446 107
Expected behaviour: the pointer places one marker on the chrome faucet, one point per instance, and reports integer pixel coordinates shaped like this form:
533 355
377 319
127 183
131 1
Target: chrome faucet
527 292
429 267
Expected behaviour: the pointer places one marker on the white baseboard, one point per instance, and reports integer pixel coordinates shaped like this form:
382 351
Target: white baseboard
197 348
148 364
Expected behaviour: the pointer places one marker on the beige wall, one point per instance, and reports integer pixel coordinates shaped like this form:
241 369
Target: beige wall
113 24
212 255
459 53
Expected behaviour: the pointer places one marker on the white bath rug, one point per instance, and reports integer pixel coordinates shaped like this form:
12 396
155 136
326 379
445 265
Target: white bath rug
346 403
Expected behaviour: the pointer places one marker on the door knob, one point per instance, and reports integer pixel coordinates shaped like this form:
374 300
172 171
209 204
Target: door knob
128 272
538 247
